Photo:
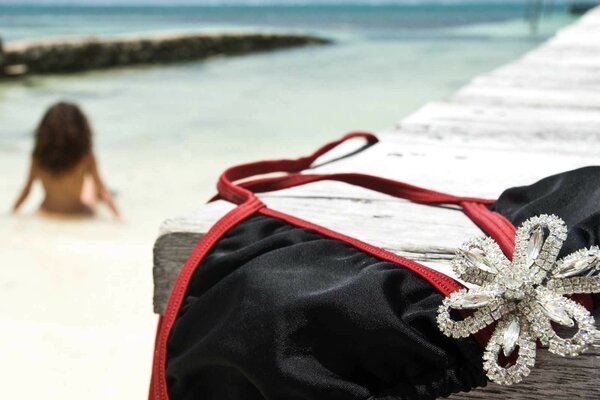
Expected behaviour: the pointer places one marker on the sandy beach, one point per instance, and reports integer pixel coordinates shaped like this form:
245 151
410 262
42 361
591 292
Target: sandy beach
74 307
76 317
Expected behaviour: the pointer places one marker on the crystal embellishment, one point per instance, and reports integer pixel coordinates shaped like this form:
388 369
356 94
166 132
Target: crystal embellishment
525 297
535 245
576 266
556 313
477 260
472 300
511 336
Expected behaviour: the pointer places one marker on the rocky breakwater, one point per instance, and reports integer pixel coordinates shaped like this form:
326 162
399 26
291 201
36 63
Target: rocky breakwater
64 55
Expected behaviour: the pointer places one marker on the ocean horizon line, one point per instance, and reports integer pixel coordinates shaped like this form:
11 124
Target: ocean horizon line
259 3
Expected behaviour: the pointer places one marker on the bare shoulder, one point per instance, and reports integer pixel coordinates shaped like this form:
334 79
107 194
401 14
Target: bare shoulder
92 163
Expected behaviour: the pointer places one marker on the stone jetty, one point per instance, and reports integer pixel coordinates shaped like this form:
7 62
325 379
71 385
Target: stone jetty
64 55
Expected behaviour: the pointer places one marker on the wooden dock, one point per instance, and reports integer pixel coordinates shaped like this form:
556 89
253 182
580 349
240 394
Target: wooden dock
537 116
74 54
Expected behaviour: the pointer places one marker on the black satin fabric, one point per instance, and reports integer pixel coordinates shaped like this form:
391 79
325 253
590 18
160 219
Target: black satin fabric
279 312
574 196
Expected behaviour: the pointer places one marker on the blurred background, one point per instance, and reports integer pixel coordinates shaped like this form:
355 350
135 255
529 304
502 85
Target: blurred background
75 295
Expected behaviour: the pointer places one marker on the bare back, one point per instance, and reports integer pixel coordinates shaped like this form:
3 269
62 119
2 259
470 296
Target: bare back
73 192
68 192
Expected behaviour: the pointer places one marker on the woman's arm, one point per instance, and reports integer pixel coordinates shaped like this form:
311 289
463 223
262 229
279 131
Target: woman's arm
27 188
103 193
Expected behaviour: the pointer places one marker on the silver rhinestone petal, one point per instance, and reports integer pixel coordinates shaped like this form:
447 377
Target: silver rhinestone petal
472 299
523 364
510 336
478 260
536 240
578 263
555 312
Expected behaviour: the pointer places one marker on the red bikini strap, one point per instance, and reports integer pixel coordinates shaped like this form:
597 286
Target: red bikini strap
489 221
241 192
238 194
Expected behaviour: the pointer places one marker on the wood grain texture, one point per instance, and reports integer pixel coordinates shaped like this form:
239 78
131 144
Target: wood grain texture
537 116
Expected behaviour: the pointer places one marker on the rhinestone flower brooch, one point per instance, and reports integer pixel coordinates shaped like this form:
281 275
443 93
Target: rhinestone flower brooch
525 297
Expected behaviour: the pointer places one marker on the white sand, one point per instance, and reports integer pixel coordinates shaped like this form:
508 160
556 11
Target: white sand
76 317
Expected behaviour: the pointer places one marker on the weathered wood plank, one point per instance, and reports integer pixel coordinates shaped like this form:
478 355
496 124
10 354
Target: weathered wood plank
532 118
521 95
507 121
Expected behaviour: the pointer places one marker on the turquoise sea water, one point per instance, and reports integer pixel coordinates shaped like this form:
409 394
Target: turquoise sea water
397 21
190 120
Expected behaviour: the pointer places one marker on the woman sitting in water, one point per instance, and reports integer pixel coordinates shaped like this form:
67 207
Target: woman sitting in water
63 160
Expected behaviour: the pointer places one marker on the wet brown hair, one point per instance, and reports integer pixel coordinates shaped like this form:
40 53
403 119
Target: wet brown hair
62 139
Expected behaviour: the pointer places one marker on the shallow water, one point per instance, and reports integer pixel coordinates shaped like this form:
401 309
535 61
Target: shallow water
385 63
74 291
